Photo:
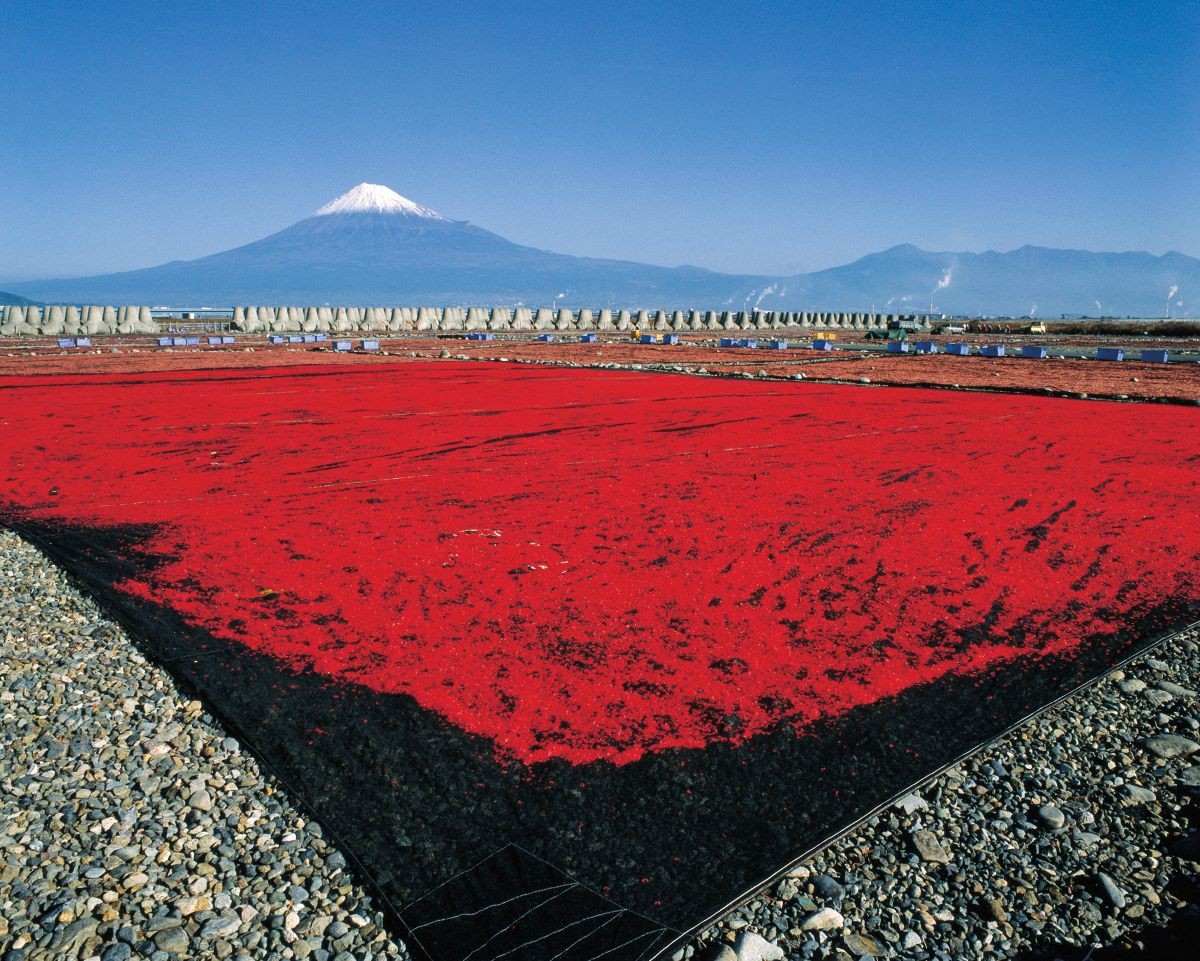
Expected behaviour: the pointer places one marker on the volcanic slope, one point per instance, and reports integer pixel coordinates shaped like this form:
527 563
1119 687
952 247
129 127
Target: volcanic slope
373 246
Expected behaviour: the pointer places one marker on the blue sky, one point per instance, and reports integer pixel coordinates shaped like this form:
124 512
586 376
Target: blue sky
760 137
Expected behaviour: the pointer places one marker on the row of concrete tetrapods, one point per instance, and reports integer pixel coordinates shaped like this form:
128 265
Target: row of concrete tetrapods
344 319
71 320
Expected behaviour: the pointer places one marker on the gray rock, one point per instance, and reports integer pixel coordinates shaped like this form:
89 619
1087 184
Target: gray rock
1051 816
827 919
172 940
1133 794
220 927
911 803
749 946
1113 894
200 800
1178 690
929 847
862 945
827 889
1169 745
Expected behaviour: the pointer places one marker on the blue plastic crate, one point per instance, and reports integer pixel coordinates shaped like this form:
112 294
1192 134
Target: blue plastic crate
897 347
295 339
959 350
583 338
992 350
321 338
670 338
750 342
1155 356
1037 353
66 342
343 345
275 339
370 345
546 338
926 347
822 345
725 342
164 341
776 345
1110 353
83 342
216 340
178 341
191 341
310 338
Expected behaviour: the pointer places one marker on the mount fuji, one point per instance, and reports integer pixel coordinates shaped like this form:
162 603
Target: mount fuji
371 246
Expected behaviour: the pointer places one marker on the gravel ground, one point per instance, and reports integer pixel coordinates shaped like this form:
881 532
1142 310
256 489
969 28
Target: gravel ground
1077 830
131 826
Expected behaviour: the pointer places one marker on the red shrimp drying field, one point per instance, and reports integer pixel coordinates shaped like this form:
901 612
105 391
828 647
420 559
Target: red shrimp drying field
611 617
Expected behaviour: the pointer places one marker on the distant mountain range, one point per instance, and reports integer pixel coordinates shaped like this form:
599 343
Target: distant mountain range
15 300
373 247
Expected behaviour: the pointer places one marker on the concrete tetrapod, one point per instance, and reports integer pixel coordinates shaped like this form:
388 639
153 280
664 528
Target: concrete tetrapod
92 321
52 323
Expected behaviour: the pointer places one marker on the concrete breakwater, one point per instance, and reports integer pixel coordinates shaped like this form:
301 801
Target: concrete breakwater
58 320
70 320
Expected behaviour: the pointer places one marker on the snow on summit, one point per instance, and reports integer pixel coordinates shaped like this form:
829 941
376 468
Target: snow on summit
376 197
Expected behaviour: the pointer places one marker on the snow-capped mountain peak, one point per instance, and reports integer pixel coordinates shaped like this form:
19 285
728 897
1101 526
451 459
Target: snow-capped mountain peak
375 197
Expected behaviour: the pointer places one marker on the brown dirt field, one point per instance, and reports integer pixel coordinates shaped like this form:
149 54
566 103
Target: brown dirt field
1129 380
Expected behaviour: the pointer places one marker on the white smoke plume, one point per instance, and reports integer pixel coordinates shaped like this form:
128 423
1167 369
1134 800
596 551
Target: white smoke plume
944 282
1173 291
1033 310
1099 309
767 291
